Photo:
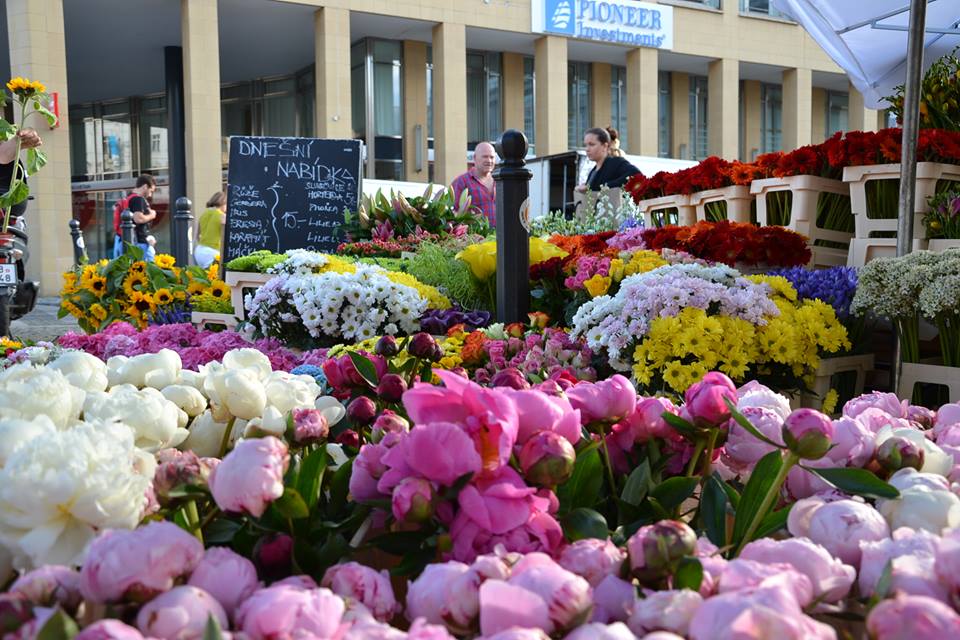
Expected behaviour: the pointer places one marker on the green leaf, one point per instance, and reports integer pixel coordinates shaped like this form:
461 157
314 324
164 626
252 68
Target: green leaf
635 489
310 480
584 523
673 491
857 482
774 521
882 588
340 486
689 575
732 495
36 160
291 504
583 487
457 486
332 550
59 626
46 113
17 194
748 426
399 542
413 564
365 368
212 630
713 510
681 426
762 478
221 531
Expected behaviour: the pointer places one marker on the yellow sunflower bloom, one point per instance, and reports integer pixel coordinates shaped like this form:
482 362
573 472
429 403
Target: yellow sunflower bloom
163 297
164 261
97 285
219 290
138 267
143 302
196 288
26 87
133 283
98 312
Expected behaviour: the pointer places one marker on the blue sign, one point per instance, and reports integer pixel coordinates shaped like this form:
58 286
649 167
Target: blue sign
628 22
558 17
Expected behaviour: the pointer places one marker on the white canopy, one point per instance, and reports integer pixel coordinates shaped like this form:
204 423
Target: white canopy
868 38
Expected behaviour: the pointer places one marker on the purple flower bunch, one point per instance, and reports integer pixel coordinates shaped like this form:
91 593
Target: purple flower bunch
552 352
835 286
587 267
439 321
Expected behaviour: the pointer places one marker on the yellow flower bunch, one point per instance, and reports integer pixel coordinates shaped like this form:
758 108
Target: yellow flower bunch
25 87
8 344
435 299
597 285
482 257
638 262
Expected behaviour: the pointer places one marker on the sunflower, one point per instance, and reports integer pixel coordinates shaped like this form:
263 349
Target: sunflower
69 283
219 290
180 295
138 267
98 312
133 283
25 87
164 261
163 297
143 302
71 308
195 288
213 271
97 285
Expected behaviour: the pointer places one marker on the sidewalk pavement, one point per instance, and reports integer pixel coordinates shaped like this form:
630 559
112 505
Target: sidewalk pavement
42 323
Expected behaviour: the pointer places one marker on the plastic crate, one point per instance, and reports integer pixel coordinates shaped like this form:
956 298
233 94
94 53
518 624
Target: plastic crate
806 192
737 197
653 208
863 250
240 280
829 367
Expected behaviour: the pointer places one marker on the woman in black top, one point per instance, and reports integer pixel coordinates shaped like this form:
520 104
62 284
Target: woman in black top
29 139
611 170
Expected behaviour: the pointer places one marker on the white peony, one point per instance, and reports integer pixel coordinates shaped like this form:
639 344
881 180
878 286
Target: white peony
157 370
188 398
206 434
238 392
14 432
154 419
58 490
82 370
272 423
288 392
188 378
331 408
27 392
935 459
922 507
248 359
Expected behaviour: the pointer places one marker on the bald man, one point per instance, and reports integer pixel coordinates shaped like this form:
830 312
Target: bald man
479 182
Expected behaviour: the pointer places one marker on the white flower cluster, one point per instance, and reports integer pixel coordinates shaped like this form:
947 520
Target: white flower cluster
352 306
300 262
921 282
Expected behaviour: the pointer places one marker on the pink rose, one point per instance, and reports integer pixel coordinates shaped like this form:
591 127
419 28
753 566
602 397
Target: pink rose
831 578
913 554
227 576
138 564
839 526
889 403
706 401
285 611
251 476
50 585
592 559
109 629
665 611
537 411
439 451
362 584
908 617
445 593
756 614
742 450
180 614
610 399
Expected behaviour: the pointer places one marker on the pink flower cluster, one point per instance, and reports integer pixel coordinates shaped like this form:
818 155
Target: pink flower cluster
587 267
552 352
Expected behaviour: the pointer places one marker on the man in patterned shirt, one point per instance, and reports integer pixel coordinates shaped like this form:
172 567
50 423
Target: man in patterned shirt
479 182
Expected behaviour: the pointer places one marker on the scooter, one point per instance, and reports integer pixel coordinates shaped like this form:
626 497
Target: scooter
18 296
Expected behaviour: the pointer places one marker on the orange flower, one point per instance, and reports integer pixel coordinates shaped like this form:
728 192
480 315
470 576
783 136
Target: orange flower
472 351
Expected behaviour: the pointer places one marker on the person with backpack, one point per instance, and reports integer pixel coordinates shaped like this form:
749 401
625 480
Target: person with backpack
136 203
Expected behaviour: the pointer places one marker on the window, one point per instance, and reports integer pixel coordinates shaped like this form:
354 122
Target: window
771 118
578 102
484 114
529 110
763 7
280 107
698 118
713 4
387 84
837 112
154 155
358 88
664 115
377 105
618 103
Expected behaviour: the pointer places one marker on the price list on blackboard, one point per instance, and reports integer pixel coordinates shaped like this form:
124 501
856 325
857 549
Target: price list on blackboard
289 193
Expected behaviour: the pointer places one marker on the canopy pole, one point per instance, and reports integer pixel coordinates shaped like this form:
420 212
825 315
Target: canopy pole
908 147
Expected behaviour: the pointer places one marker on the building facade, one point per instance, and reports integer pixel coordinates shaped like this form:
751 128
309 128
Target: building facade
421 82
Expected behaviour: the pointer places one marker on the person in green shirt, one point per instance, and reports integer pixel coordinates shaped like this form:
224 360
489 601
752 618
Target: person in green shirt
210 227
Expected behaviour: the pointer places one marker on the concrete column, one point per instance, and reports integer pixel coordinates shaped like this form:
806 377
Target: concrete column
642 101
601 95
818 115
512 91
680 120
414 109
37 51
331 36
449 101
723 108
797 96
550 68
860 118
201 105
752 119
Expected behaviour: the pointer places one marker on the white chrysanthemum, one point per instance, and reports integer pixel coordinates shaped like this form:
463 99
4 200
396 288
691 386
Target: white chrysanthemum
27 392
58 490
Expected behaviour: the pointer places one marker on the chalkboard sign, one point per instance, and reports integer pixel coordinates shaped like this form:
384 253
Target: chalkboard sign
289 193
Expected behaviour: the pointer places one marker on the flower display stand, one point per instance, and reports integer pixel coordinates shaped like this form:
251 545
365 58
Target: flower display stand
737 197
928 174
240 280
863 250
912 373
806 192
829 367
942 244
205 320
655 211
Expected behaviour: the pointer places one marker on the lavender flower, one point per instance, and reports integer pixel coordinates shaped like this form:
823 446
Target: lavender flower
835 286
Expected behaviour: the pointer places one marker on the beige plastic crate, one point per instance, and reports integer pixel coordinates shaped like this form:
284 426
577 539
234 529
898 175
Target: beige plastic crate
686 213
863 250
240 280
861 364
737 197
203 320
806 192
942 244
912 373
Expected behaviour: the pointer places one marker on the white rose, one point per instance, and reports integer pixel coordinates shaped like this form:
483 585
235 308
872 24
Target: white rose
157 370
188 398
248 359
935 459
239 391
920 507
56 492
82 370
287 392
331 408
14 432
153 418
206 435
27 392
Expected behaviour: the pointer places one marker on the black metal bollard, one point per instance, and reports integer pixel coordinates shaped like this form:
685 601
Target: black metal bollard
182 223
128 232
513 250
79 247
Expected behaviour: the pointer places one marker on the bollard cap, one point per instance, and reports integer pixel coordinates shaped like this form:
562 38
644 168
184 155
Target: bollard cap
183 202
512 146
74 223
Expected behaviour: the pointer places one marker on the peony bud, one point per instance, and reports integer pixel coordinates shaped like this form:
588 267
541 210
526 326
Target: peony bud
309 426
272 555
808 433
362 410
177 468
388 422
897 453
547 459
655 549
348 438
706 400
387 347
49 586
413 500
510 377
423 346
391 387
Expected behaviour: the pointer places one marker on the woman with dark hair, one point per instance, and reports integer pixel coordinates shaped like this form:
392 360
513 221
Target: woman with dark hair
612 169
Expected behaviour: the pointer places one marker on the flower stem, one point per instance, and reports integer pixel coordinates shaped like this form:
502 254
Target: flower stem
708 459
225 440
193 519
695 458
606 455
788 463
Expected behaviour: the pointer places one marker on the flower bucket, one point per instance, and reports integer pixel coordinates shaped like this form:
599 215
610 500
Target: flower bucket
942 244
863 250
733 203
913 373
205 320
829 367
238 281
675 209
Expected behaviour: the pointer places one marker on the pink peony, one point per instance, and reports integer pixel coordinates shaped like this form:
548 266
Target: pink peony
914 564
227 576
599 631
756 614
109 629
706 401
742 450
137 564
908 617
285 611
49 586
439 451
853 443
309 426
251 476
446 593
665 611
757 396
362 584
613 599
741 575
647 422
412 500
947 562
839 526
537 411
611 399
592 559
831 578
655 549
180 614
889 403
808 433
947 415
547 459
368 468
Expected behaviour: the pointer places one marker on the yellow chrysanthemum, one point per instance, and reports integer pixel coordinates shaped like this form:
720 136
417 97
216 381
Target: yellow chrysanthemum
7 344
830 402
163 296
98 312
435 299
164 261
25 86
